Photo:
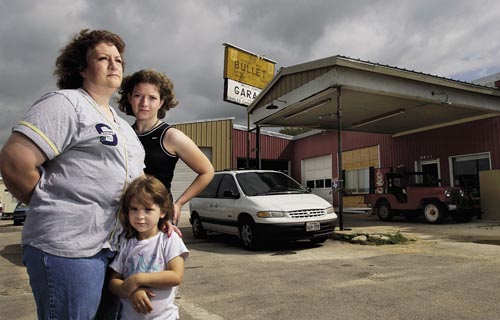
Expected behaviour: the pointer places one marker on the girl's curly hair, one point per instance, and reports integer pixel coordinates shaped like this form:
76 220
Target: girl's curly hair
159 79
146 189
73 57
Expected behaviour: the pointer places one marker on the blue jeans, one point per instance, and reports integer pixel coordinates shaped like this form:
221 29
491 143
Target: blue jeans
65 288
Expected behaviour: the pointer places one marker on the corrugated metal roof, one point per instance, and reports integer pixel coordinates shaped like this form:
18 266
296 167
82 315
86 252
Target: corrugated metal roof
412 71
373 67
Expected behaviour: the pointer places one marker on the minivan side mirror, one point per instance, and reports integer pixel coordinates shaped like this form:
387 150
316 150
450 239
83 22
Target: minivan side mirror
230 194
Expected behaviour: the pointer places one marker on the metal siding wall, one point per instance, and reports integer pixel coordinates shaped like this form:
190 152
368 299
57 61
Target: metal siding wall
213 134
468 138
326 143
271 147
474 137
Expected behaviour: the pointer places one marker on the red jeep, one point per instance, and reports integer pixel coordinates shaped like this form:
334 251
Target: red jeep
414 193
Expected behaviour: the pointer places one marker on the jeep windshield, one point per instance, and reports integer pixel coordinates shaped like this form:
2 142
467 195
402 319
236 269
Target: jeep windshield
266 183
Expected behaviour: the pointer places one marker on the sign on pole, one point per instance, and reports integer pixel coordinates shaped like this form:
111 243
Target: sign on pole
245 74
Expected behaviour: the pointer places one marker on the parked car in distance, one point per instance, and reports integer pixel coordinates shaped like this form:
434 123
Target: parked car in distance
410 195
20 213
260 205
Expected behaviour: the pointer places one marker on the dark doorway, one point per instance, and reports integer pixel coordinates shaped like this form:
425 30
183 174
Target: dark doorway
431 174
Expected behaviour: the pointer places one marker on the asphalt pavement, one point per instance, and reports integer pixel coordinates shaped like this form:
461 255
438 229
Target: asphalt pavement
223 281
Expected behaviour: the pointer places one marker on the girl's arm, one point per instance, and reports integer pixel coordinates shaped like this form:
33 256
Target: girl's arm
176 142
160 280
138 298
19 162
115 284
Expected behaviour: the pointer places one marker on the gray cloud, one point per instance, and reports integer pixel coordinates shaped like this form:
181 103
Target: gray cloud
451 38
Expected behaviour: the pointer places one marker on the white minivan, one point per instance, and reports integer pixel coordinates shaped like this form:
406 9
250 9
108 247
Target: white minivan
260 205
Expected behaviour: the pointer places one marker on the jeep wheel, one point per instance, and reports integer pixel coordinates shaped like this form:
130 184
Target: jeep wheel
434 212
248 237
384 211
198 231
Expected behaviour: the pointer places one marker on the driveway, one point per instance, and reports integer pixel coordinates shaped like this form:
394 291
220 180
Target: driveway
446 273
450 271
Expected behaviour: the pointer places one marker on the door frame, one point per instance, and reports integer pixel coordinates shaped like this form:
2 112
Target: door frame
419 163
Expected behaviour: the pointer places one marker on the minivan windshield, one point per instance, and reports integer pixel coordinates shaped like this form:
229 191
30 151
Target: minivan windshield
265 183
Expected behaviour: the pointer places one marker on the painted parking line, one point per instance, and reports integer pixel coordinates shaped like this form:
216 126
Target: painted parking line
196 312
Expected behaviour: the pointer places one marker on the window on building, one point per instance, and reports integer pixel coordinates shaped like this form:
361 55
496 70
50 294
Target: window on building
466 169
357 181
319 183
310 184
328 183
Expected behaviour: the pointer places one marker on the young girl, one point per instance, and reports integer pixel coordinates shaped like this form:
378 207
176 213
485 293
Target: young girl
150 265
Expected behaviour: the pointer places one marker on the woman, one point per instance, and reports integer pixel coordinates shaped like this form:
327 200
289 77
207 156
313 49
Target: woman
148 95
70 159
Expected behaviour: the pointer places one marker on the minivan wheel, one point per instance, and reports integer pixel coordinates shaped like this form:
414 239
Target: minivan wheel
248 237
198 231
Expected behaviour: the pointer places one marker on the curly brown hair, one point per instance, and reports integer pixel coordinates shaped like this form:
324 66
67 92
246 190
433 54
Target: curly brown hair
73 57
145 189
159 79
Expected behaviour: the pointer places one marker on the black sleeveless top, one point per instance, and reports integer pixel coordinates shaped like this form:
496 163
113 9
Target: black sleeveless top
159 162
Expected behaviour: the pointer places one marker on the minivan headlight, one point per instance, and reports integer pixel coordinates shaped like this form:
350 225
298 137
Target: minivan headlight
329 210
270 214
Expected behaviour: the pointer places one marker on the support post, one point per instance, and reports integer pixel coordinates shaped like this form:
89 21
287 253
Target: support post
248 142
257 148
340 212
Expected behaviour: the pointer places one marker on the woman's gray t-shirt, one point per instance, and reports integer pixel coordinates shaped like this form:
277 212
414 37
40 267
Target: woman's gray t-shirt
73 210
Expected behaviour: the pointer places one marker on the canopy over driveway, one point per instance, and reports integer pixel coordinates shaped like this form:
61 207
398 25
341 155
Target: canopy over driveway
346 94
371 98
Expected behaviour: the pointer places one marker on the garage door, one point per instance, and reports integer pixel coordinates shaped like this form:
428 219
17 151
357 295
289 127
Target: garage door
317 173
184 176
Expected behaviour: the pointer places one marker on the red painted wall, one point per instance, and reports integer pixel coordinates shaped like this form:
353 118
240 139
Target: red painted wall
468 138
271 147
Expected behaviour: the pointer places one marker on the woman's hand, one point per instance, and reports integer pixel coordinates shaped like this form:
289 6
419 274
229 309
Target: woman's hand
168 228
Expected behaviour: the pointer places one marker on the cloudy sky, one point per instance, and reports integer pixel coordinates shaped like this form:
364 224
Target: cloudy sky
459 39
